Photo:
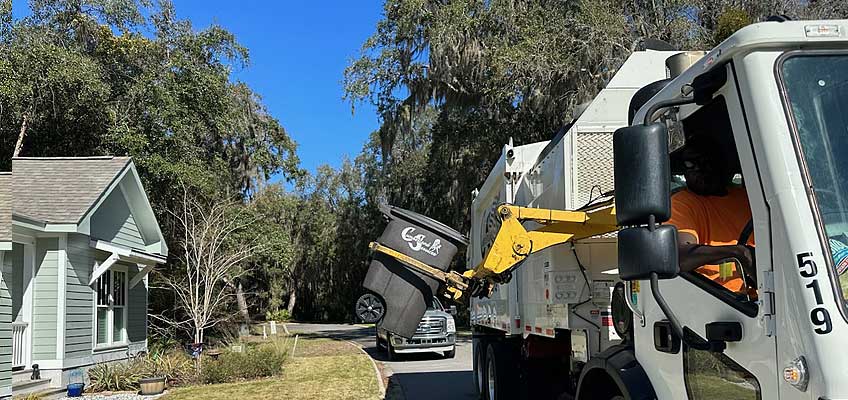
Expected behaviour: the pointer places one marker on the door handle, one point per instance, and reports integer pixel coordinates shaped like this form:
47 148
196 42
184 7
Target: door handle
724 332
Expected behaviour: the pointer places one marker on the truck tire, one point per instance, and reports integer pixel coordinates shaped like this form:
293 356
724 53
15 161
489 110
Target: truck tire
451 353
377 338
501 372
478 356
390 350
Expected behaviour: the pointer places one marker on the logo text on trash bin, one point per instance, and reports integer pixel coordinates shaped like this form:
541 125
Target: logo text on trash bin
417 243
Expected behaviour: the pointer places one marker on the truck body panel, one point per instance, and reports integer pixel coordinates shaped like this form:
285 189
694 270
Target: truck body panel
548 293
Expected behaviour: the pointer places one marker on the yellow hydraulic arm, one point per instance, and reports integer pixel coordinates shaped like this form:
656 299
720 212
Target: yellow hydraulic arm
513 243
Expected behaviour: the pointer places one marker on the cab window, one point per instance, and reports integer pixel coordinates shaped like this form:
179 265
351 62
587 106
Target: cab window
710 205
712 375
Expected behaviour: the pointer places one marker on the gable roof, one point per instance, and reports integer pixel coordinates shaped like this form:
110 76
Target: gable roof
5 207
62 190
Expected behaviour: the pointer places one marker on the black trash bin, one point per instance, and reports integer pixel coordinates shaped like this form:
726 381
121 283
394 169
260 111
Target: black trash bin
407 293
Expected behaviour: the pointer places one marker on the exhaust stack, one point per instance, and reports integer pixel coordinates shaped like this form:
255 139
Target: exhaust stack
676 64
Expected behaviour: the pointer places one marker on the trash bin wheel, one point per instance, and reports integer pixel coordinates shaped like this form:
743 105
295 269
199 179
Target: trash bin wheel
370 308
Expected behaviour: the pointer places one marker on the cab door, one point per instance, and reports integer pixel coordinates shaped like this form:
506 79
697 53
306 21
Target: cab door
747 368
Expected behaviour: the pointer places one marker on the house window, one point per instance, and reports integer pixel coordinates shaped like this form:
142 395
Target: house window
111 308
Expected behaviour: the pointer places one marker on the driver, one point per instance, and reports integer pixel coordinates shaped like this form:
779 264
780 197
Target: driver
710 214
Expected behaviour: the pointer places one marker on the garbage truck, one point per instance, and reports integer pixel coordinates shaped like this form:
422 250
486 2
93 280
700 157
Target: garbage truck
574 268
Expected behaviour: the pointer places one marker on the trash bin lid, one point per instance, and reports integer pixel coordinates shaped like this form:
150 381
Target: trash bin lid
424 221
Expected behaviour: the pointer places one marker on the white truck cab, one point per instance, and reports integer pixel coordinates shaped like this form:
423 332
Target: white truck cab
780 95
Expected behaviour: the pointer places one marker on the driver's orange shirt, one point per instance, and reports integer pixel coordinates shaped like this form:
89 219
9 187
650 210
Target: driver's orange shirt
713 221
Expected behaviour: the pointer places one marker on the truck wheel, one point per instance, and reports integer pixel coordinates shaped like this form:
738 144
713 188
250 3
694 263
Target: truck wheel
478 349
377 338
390 350
450 353
501 374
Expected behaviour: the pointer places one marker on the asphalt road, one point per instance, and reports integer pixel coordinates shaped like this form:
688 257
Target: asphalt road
425 376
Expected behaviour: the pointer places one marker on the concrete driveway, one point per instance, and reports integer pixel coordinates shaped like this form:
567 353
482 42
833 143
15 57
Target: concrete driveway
422 376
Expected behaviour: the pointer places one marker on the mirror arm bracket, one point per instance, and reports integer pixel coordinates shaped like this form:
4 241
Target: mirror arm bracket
649 116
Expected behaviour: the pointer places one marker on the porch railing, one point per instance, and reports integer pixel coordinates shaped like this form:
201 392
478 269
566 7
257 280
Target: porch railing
19 344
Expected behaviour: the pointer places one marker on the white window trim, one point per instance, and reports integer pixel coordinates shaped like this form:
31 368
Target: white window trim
111 344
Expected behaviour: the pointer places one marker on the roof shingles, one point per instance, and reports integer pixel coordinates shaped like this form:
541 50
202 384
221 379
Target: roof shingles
61 190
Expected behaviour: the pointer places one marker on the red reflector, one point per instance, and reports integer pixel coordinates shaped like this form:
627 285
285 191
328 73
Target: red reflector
528 328
547 294
518 323
595 312
538 330
606 321
549 332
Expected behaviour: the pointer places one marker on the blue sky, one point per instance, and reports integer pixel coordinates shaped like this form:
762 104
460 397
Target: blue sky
298 52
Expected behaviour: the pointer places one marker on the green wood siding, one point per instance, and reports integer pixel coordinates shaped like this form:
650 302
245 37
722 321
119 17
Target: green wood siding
79 303
128 234
113 222
137 309
5 330
45 298
16 272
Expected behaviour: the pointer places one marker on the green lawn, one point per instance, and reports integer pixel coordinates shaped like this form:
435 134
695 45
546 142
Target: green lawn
320 369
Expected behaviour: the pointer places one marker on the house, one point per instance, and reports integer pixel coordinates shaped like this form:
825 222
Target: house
5 297
83 239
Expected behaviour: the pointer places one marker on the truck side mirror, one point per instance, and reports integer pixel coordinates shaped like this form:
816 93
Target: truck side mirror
642 201
452 310
642 174
642 251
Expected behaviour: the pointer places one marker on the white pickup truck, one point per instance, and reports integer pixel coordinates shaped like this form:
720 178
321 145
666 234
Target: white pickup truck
436 333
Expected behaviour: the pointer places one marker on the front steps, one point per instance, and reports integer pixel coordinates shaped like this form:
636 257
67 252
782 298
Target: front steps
22 385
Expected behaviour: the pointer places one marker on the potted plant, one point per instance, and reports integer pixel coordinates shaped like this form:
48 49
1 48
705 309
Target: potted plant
152 385
156 378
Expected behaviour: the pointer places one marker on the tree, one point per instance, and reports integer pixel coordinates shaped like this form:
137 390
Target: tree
495 70
210 258
128 77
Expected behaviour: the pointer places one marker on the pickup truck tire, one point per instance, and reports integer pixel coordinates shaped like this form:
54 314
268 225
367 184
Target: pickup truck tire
390 350
501 372
450 353
377 339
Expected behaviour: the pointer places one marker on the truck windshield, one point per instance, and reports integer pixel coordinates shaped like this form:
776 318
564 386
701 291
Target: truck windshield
437 305
816 86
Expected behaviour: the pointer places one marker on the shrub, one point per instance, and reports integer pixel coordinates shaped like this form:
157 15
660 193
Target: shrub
277 315
116 376
259 362
159 344
176 366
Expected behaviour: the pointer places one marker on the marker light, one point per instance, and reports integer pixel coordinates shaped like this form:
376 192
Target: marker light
796 374
822 30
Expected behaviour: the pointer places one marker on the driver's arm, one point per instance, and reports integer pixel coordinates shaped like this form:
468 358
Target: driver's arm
692 255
